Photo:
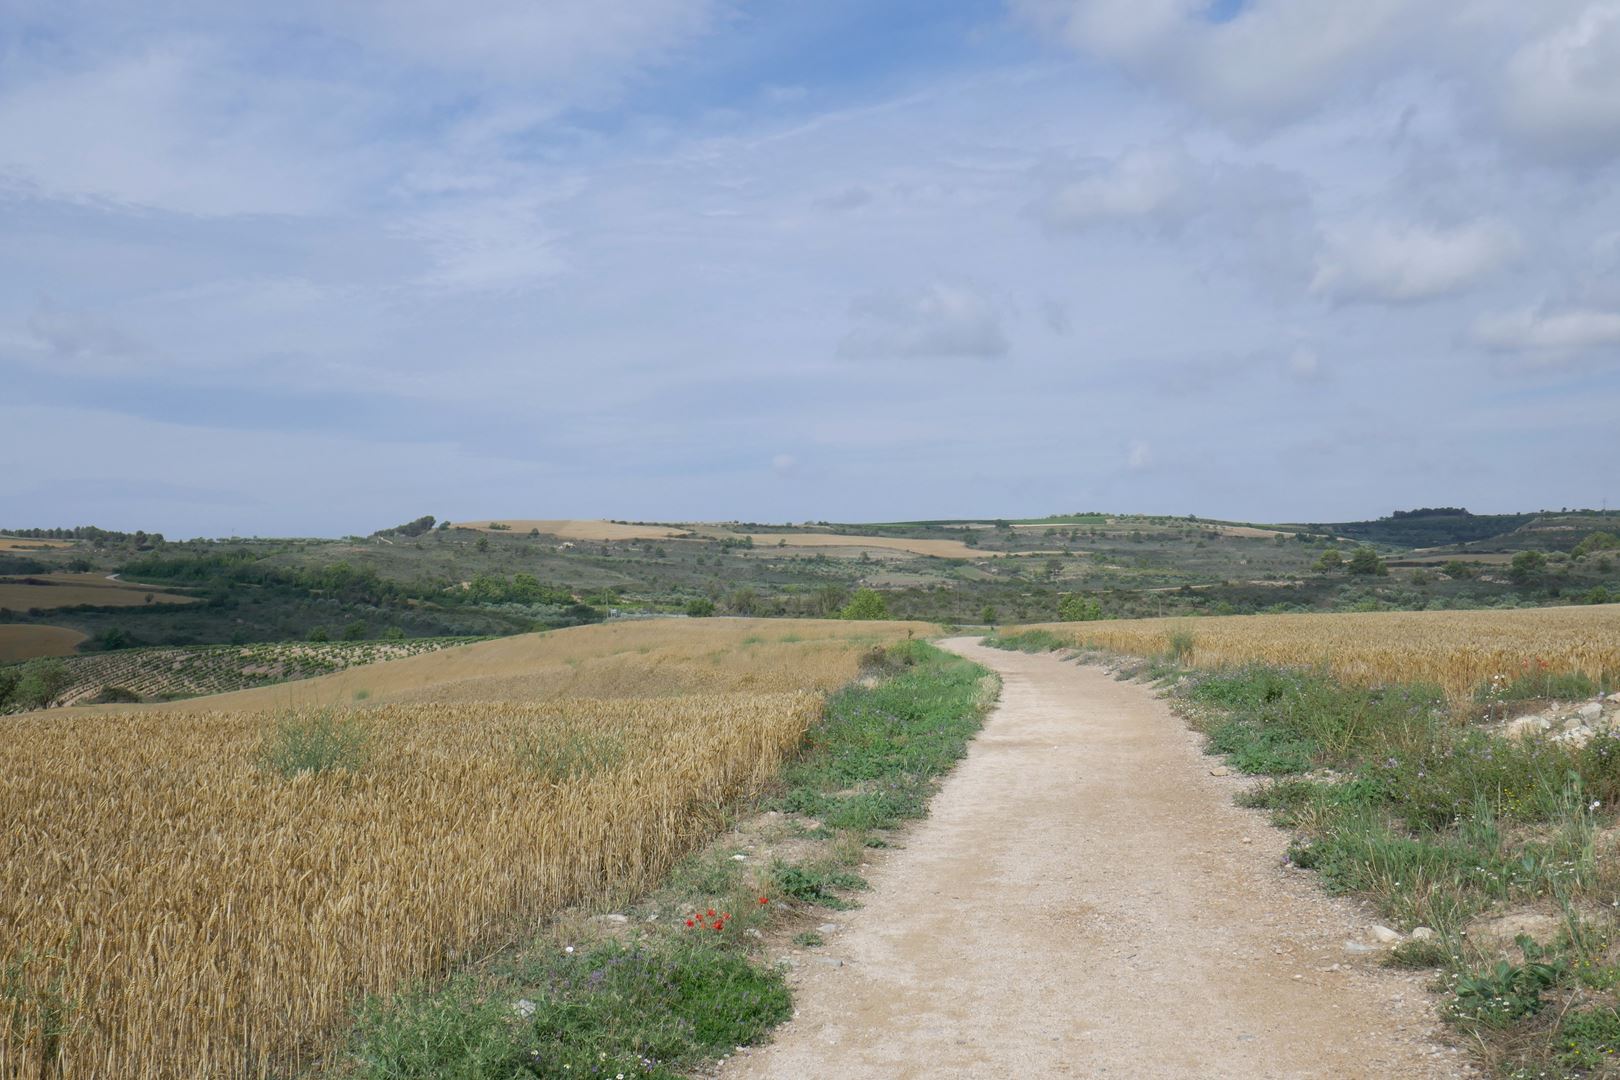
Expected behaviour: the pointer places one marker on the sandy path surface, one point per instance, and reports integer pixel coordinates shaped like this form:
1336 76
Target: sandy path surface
1085 900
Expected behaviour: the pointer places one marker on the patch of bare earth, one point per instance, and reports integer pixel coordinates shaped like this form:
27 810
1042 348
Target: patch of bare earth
1086 900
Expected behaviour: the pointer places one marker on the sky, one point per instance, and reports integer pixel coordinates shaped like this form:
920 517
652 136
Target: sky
319 268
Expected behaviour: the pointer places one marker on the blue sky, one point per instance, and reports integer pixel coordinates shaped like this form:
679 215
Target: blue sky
317 268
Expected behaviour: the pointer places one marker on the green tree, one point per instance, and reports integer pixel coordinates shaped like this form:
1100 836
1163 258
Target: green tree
987 614
317 633
40 683
1457 570
1330 562
1076 607
1364 560
865 604
700 607
482 543
1527 568
355 631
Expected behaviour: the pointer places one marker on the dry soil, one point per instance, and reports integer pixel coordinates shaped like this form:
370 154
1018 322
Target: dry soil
1086 900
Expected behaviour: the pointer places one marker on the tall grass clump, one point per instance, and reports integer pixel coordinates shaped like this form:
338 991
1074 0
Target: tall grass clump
317 742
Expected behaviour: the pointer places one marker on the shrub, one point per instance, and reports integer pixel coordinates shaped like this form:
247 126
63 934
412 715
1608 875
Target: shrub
39 683
1330 561
318 742
1076 607
700 607
1364 560
865 604
1528 568
1457 570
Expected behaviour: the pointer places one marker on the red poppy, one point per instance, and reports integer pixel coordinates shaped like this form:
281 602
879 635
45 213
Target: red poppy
764 900
689 922
711 913
719 926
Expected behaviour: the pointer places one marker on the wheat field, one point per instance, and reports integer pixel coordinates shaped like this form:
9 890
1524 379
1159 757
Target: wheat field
1457 650
170 906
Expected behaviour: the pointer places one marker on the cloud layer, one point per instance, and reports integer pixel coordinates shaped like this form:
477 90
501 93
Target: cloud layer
321 267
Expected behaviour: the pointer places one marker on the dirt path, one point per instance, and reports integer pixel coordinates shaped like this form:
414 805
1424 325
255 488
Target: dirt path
1085 900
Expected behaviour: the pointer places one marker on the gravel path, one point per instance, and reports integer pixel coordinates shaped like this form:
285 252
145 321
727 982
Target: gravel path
1085 900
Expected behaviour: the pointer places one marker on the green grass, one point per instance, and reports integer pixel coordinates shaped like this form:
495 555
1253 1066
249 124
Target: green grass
317 742
875 758
1394 797
678 995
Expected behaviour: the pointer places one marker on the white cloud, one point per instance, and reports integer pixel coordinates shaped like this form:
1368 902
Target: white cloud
1562 91
939 320
1154 183
1273 60
1402 262
1138 456
1551 334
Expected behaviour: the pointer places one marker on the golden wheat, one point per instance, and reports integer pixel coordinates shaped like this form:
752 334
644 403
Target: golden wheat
177 909
1457 650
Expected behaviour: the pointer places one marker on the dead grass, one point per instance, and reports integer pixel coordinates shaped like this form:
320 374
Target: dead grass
1458 650
28 642
46 591
575 529
23 543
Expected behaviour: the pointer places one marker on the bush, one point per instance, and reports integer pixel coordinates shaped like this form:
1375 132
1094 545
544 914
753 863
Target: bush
1365 561
865 604
1330 561
317 633
39 683
700 607
320 742
1076 607
1528 568
1457 570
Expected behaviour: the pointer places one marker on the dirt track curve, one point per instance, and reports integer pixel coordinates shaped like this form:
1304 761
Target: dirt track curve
1086 900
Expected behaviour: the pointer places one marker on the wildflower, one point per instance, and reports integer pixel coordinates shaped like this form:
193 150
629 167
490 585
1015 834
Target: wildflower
569 949
1595 804
764 900
689 922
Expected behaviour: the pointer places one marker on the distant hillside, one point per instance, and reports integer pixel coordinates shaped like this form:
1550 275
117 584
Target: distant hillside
1448 526
1436 527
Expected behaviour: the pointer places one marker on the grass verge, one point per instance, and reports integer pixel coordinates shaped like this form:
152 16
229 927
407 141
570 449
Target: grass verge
1503 848
682 977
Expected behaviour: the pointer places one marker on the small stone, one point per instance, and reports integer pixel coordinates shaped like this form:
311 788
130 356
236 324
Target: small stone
1423 933
523 1007
1246 840
1220 770
616 919
830 961
1384 935
1359 948
827 927
1591 710
739 858
1298 977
